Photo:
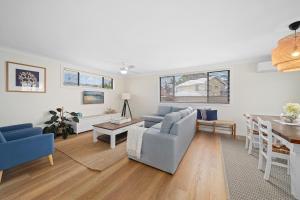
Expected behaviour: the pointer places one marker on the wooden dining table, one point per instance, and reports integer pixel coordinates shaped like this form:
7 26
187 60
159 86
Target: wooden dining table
290 136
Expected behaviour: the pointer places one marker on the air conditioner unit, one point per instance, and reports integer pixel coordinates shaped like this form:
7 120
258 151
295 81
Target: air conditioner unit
265 67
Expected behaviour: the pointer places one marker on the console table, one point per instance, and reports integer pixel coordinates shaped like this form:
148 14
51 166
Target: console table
86 123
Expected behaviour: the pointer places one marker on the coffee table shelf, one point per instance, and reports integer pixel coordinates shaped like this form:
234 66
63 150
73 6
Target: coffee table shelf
112 130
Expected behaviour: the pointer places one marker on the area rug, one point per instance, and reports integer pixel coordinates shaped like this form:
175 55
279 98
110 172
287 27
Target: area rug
95 156
245 181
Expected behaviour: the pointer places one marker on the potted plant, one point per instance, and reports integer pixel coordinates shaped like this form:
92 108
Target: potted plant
291 112
58 123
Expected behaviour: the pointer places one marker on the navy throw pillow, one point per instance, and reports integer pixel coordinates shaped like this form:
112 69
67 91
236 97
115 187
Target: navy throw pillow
199 116
211 115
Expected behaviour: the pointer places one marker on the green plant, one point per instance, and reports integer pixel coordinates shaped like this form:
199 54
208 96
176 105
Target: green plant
58 123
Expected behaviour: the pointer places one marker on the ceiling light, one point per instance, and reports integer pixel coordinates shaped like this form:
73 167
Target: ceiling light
286 56
124 70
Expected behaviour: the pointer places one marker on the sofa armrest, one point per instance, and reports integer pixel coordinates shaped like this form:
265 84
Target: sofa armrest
22 133
27 149
15 127
159 150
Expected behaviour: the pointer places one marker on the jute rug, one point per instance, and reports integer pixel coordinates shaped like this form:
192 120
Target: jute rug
95 156
245 181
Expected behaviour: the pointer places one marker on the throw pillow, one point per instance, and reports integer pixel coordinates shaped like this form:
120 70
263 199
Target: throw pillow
211 115
163 110
183 113
168 121
199 116
203 114
176 109
190 109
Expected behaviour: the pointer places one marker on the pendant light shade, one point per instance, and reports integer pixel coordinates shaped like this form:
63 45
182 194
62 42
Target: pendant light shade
286 56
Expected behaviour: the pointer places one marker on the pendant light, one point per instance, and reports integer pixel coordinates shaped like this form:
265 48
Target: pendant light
286 56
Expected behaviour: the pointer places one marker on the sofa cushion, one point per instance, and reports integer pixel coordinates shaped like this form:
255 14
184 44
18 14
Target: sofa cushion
190 109
153 118
163 110
2 138
157 126
184 113
168 121
211 115
176 109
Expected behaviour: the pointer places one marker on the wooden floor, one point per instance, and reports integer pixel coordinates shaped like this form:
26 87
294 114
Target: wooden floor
199 176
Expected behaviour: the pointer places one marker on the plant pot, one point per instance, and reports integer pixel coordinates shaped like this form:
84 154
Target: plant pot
60 131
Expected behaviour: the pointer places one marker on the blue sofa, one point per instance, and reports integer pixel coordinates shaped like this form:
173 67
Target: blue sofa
165 143
162 111
23 143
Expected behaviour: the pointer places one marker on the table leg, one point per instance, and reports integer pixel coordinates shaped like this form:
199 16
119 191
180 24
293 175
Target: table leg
295 171
95 135
112 141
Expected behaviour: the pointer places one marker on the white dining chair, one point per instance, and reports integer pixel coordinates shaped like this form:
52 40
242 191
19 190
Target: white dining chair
270 150
252 139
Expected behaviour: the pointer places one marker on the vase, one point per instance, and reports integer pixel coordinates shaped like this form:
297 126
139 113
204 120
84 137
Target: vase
288 118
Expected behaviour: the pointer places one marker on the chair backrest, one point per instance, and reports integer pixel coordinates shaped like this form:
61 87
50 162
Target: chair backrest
265 133
249 124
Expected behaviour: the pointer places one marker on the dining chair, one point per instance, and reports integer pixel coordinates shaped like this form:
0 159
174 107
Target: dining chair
270 150
252 134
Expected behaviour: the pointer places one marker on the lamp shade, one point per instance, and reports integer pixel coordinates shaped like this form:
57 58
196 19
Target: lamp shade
125 96
286 56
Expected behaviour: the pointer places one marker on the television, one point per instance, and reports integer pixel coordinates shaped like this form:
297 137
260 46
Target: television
93 97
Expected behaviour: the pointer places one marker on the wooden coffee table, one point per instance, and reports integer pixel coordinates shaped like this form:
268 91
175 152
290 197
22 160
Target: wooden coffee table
112 130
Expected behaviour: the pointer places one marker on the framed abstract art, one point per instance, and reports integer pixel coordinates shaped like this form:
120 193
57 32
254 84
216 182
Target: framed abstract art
25 78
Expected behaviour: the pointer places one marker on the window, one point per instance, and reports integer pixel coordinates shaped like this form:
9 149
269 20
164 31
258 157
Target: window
210 87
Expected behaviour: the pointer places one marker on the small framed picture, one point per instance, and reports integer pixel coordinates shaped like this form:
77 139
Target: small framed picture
25 78
90 80
108 83
71 77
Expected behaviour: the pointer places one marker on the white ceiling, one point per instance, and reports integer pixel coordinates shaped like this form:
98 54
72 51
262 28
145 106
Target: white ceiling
152 35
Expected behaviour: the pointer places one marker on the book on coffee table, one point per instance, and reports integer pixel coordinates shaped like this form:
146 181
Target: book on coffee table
120 120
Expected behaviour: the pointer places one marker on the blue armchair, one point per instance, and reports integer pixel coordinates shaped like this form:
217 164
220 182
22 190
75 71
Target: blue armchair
23 143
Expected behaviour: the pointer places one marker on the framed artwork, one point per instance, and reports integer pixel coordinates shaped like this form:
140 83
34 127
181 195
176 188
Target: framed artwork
71 77
25 78
108 83
90 80
93 97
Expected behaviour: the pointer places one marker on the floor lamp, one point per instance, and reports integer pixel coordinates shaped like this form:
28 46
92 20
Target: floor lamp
126 97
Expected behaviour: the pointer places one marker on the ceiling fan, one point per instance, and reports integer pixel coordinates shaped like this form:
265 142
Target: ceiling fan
126 69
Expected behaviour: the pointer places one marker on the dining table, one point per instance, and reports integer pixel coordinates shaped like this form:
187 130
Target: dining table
289 135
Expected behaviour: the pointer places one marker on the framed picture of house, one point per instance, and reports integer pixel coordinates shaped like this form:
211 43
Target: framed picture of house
25 78
108 83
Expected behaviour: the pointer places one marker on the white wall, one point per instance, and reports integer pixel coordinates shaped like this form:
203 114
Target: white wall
16 107
251 92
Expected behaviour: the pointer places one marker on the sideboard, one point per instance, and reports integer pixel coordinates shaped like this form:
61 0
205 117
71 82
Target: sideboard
86 123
